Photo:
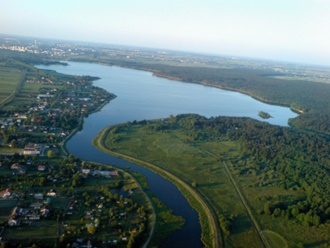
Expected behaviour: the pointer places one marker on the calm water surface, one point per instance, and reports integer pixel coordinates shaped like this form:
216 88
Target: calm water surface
140 95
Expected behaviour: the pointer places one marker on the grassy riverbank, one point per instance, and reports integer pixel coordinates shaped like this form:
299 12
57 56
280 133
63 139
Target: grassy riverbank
211 234
229 186
207 207
164 222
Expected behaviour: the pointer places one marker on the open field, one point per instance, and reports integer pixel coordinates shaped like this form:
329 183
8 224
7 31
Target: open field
9 82
275 240
319 80
8 150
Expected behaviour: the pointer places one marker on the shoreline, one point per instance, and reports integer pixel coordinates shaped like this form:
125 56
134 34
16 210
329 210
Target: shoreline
81 123
157 74
297 111
149 202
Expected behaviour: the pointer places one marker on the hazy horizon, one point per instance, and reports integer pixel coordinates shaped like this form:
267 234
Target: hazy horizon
282 30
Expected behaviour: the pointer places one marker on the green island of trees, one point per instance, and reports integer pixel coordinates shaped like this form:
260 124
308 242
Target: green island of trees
263 184
264 115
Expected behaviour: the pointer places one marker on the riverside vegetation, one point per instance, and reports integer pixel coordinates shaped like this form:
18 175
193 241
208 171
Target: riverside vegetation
267 185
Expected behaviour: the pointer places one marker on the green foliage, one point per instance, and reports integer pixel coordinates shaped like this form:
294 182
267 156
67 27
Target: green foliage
226 224
50 154
267 208
283 171
91 229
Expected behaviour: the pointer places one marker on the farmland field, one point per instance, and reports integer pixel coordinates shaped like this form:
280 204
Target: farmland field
9 81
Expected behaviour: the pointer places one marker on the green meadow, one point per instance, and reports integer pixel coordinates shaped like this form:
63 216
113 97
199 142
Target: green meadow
9 81
216 171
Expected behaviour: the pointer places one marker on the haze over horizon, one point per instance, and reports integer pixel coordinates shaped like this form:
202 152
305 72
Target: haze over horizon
284 30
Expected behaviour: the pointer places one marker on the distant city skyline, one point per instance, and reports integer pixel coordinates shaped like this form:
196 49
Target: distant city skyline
283 30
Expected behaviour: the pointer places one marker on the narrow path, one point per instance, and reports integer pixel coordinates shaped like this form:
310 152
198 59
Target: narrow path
247 208
153 219
242 199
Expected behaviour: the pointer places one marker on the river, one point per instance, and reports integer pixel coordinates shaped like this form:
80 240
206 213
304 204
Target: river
140 95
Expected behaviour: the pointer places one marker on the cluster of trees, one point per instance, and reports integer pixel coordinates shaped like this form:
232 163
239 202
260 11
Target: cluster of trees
305 212
8 135
226 223
65 170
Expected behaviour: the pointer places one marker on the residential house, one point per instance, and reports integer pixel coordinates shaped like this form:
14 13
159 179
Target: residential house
14 222
114 173
32 149
44 211
48 201
36 205
38 196
15 166
85 171
51 193
41 168
5 193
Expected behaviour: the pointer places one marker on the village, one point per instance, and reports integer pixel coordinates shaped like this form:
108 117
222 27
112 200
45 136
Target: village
54 112
62 202
47 197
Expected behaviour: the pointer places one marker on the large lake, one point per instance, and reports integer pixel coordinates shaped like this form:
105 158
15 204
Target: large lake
140 95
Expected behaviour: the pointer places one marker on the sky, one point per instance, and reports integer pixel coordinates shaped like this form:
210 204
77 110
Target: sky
284 30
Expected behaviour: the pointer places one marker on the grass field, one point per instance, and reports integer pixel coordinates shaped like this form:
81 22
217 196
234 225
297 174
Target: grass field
9 80
275 240
15 92
302 79
4 150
